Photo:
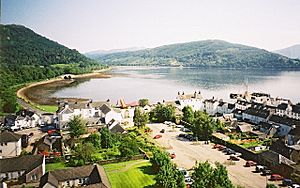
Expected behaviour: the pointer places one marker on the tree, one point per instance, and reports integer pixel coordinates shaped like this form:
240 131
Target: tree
129 147
83 152
140 119
169 177
162 113
143 102
271 186
203 125
77 127
188 114
159 159
205 176
106 138
95 139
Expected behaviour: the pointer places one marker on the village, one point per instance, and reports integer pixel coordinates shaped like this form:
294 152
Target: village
260 132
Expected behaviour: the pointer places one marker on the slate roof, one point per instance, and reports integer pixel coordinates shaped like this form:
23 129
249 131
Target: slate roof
282 106
105 109
257 112
295 132
244 128
284 120
296 109
7 136
231 106
260 94
26 162
25 113
96 174
276 157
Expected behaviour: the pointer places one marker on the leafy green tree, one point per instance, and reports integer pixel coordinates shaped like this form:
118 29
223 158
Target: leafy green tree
95 139
203 125
77 127
140 118
84 152
271 186
169 177
163 113
159 159
188 114
205 176
107 140
129 147
143 102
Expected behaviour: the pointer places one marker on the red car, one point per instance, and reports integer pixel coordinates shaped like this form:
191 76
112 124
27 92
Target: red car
221 148
216 146
276 177
157 136
172 155
250 163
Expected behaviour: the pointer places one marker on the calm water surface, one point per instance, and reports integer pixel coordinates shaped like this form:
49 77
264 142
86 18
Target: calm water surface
157 84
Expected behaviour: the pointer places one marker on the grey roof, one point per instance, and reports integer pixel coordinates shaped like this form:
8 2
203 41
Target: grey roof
117 129
257 112
105 109
96 174
245 128
231 106
296 109
7 136
282 106
284 120
276 157
26 162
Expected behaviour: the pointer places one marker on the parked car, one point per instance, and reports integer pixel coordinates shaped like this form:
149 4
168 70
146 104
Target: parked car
250 163
231 152
287 182
162 131
266 172
295 186
167 122
221 148
276 177
172 155
234 158
157 136
181 135
184 172
31 134
216 146
179 126
259 168
185 130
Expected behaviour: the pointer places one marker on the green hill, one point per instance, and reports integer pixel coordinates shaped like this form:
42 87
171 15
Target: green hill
212 53
26 56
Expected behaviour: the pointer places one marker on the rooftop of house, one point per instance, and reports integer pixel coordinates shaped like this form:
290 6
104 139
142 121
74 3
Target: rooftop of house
105 108
189 96
263 113
244 127
7 136
81 105
282 106
25 113
260 94
295 131
242 102
26 162
296 109
284 120
95 173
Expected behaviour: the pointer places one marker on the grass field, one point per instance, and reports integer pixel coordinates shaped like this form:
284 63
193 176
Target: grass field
130 174
55 166
48 108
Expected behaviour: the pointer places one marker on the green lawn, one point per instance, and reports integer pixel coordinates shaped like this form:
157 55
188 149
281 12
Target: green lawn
55 166
48 108
130 174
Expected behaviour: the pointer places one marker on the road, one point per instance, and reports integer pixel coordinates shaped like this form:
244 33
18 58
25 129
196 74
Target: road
29 107
187 153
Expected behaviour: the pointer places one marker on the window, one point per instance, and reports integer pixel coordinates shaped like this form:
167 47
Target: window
5 143
1 144
0 150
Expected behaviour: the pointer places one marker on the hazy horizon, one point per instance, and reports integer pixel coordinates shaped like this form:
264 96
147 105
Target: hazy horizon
100 25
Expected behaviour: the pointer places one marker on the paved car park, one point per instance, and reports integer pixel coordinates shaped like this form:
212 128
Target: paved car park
188 152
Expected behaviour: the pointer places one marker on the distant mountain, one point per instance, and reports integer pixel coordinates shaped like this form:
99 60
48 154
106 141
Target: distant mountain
26 56
105 52
291 52
212 53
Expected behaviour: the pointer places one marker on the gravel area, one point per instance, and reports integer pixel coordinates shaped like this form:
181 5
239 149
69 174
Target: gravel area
187 153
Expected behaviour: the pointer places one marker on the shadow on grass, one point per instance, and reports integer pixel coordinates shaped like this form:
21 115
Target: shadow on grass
148 170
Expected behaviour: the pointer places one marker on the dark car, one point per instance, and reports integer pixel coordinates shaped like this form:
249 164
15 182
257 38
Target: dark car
233 158
162 131
287 182
181 135
231 152
266 172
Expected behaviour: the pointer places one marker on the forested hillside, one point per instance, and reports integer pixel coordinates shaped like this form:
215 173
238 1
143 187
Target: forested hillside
26 56
212 53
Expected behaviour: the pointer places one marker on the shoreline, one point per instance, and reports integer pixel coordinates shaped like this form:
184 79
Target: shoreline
38 93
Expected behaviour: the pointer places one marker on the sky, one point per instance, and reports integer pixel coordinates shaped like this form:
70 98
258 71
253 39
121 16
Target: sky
88 25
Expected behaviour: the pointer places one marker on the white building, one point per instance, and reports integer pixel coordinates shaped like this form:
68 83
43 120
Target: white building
211 106
10 144
193 100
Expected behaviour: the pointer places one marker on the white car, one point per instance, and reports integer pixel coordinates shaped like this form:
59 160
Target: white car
184 172
179 126
295 186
